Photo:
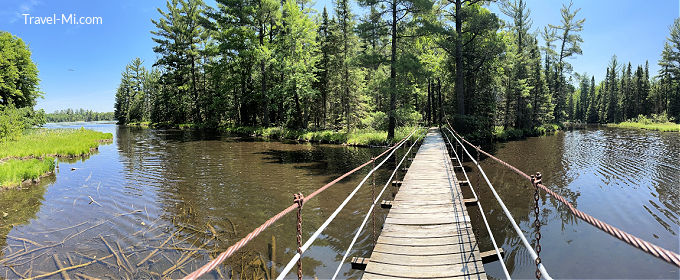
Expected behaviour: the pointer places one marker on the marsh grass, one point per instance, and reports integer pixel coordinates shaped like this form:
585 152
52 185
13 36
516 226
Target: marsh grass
38 143
655 122
14 171
357 137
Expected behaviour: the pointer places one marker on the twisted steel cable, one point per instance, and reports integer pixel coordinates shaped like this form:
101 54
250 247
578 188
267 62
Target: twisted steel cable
238 245
654 250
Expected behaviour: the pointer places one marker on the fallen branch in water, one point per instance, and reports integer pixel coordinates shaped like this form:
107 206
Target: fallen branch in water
94 201
156 251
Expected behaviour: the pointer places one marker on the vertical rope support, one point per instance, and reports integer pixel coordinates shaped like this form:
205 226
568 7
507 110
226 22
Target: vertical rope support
299 199
372 200
535 180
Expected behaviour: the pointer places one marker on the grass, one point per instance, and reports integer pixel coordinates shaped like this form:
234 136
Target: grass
664 127
358 137
32 154
14 171
503 134
655 122
38 143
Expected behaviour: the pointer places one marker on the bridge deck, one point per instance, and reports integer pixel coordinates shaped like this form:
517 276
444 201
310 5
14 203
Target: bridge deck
427 233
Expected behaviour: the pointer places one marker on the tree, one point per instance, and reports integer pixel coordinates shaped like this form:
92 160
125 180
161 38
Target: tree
18 74
570 44
612 92
297 51
398 11
670 71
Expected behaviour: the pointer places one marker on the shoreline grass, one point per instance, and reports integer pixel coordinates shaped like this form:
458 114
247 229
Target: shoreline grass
503 135
663 127
38 143
31 155
14 171
357 137
654 122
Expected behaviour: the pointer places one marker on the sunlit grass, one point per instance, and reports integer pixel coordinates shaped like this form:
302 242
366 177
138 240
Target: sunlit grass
53 142
357 137
14 171
659 122
665 127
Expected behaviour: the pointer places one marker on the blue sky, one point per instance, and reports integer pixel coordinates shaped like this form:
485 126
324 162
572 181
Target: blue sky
80 65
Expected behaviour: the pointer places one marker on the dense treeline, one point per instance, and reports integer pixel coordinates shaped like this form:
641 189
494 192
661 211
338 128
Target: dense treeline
628 92
70 115
280 63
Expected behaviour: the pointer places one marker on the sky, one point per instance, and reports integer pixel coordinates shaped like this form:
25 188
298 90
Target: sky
80 64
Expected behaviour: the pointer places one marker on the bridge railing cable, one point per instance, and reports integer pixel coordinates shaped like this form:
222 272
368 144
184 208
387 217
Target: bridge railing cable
375 201
507 213
335 213
652 249
481 210
238 245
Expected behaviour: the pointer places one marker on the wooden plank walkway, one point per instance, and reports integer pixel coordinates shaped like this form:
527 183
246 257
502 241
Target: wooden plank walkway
427 233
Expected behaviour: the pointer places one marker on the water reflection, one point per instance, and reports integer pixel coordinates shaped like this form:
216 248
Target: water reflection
627 178
167 201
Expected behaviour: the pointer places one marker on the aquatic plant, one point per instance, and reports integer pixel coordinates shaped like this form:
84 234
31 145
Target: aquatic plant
14 171
38 143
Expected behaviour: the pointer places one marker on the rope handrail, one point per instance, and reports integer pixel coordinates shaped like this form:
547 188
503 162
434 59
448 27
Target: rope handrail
238 245
648 247
330 218
507 213
368 213
481 210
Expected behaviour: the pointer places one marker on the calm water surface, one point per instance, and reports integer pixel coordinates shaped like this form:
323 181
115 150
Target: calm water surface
190 195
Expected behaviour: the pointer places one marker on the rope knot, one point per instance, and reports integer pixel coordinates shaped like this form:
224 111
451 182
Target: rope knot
538 178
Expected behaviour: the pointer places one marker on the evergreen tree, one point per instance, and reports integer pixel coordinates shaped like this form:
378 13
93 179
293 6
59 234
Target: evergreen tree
570 42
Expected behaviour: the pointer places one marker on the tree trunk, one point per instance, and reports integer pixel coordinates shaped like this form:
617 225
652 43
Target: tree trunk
263 84
429 102
460 89
439 94
393 74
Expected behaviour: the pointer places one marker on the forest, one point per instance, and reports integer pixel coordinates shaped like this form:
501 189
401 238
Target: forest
265 63
79 115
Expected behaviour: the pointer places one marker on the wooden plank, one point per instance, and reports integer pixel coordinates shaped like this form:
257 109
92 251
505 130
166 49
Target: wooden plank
386 204
491 256
433 241
464 248
470 201
359 263
427 220
372 276
430 271
423 260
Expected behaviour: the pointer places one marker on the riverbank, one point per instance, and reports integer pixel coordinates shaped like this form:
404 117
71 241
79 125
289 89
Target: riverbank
508 134
663 127
31 156
358 137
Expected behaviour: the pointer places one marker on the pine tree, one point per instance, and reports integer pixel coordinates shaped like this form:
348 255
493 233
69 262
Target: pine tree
397 11
570 41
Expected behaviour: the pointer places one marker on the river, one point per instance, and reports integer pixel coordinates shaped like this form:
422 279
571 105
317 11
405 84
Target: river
184 196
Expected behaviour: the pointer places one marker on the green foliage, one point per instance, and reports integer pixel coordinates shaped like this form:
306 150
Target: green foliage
13 121
655 122
135 93
358 137
70 115
14 171
53 142
18 74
